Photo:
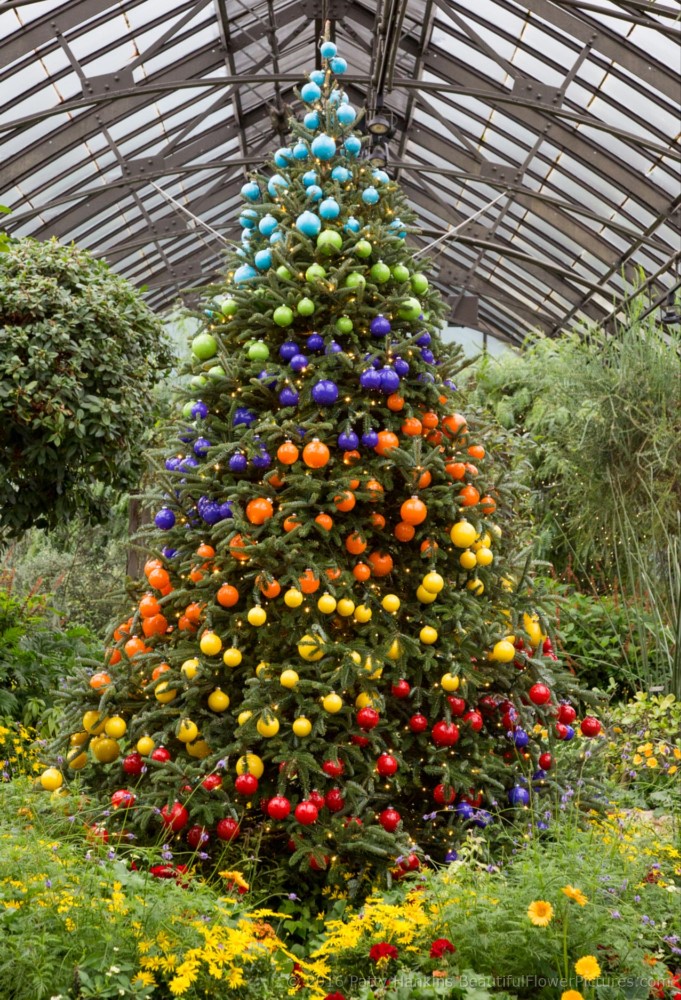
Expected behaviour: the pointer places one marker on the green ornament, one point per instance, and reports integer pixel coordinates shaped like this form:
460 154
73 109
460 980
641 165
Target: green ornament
344 324
329 240
198 381
217 371
305 307
283 272
363 248
401 273
282 316
259 351
315 272
187 410
204 346
228 307
380 273
419 283
410 309
355 280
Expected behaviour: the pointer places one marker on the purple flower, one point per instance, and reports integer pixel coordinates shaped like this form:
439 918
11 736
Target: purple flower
615 914
292 896
429 816
221 765
637 899
203 855
111 854
48 883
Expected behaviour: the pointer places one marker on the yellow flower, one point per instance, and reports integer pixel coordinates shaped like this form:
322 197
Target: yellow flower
651 762
637 758
571 995
145 979
673 769
540 913
575 894
235 877
677 753
587 967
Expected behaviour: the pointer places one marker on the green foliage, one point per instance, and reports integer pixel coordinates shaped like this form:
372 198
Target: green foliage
79 355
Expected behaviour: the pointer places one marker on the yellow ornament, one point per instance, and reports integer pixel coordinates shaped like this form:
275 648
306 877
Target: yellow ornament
190 668
332 703
483 542
484 556
232 657
293 598
327 604
496 530
199 749
507 584
363 700
289 678
302 726
311 647
345 607
187 731
257 616
250 763
362 613
93 723
449 682
51 779
243 717
163 693
425 596
468 559
463 534
391 603
218 701
533 629
355 657
262 668
428 635
115 727
433 583
105 749
145 745
477 586
395 650
76 759
267 727
210 644
78 739
504 651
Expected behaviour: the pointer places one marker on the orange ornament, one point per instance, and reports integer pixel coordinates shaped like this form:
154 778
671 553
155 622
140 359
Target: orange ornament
476 451
351 457
414 511
424 480
291 522
269 588
308 582
100 680
149 606
412 427
454 425
227 596
457 470
193 612
287 453
158 625
158 578
114 657
324 521
332 574
196 575
274 480
471 469
205 551
429 546
164 591
469 496
395 402
354 484
259 510
361 572
381 563
151 564
386 442
377 520
345 501
236 548
375 490
430 420
404 532
488 505
316 454
442 400
134 647
186 625
162 668
355 544
435 437
122 630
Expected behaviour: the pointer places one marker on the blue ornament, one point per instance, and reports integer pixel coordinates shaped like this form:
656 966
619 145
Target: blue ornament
348 440
201 446
210 512
370 379
267 225
538 776
311 120
244 273
518 796
370 439
165 519
283 156
338 65
520 738
243 416
298 362
380 326
380 176
569 734
275 182
288 397
317 76
308 224
376 362
323 147
309 178
251 191
327 50
427 355
188 463
325 392
226 510
263 259
310 92
482 818
450 385
423 340
370 195
187 435
238 462
265 374
390 381
172 464
333 348
315 342
314 192
262 460
288 350
451 856
300 151
352 145
401 367
329 209
341 174
352 225
464 811
346 114
168 553
199 410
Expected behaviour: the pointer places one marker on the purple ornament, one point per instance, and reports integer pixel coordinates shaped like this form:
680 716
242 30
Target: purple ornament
315 342
370 379
333 348
451 856
265 374
380 326
427 355
209 511
172 464
569 734
243 416
348 440
538 776
325 392
168 553
425 377
520 738
518 796
390 380
424 340
288 350
464 811
450 385
226 510
238 462
186 435
188 463
401 367
199 410
288 397
298 362
165 519
201 446
370 439
482 818
263 460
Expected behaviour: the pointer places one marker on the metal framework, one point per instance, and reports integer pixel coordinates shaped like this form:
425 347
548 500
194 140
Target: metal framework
121 120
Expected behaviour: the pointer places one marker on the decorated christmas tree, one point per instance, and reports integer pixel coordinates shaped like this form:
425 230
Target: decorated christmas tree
335 651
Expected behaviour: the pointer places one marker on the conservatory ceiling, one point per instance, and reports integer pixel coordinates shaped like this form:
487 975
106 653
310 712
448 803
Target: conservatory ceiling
541 137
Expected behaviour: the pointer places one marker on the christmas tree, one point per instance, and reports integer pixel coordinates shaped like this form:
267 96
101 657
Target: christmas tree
334 640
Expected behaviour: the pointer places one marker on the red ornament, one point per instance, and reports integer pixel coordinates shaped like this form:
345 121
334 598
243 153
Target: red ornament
175 816
334 800
306 813
443 796
334 768
278 807
316 866
133 763
386 765
360 741
540 694
389 819
123 799
566 714
487 704
411 863
418 723
211 782
547 647
316 798
367 718
457 705
401 689
246 784
545 761
472 798
590 726
474 720
352 821
227 829
445 734
160 753
197 836
561 731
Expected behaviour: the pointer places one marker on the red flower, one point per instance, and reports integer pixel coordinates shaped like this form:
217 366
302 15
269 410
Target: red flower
334 996
382 950
441 947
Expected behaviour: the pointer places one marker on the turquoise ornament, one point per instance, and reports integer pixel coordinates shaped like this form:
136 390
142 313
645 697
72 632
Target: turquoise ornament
300 151
346 114
308 224
323 147
329 209
311 120
370 195
317 76
310 177
263 259
250 191
267 225
275 182
310 92
244 273
352 225
341 174
338 65
352 145
314 192
328 50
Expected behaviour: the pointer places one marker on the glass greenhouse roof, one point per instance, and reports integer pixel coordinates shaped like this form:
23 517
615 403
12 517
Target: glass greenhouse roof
543 136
